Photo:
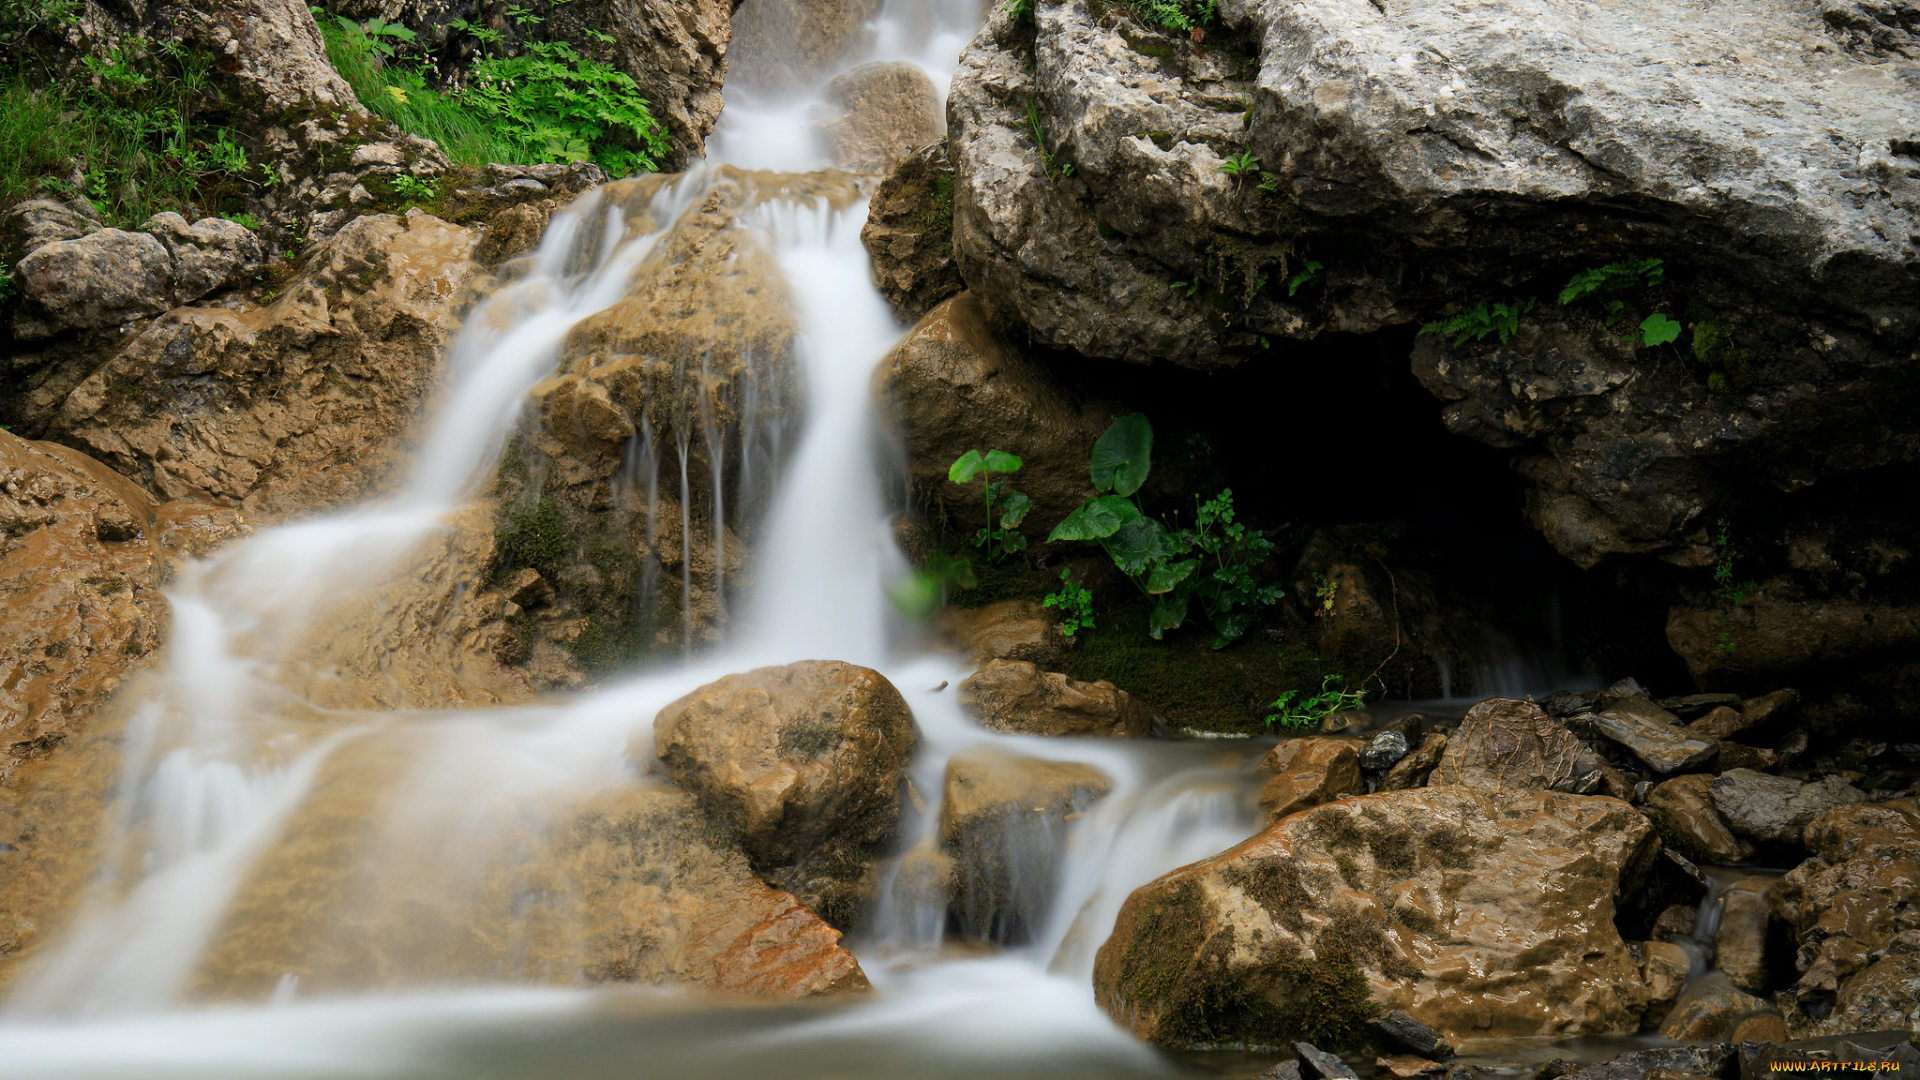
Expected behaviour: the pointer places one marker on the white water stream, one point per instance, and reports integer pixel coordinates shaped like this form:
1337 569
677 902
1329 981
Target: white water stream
220 757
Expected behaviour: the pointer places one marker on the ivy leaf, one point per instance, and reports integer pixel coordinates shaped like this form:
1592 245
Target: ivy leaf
1014 510
1658 329
1122 456
1003 462
1095 519
966 467
1164 577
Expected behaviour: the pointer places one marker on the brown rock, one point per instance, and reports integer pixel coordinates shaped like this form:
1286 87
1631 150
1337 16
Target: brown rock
1308 772
1015 696
1004 820
1760 1027
1407 1066
1683 807
789 45
1740 941
1884 997
1721 723
1503 743
1654 735
1709 1010
879 113
806 762
1676 921
1665 967
909 233
1767 708
1412 771
1008 630
676 52
1476 911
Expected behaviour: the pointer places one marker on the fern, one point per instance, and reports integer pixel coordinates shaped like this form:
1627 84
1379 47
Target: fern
1631 274
1481 321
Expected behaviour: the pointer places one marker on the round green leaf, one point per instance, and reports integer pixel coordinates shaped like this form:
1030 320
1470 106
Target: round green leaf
966 467
1095 519
1163 578
1001 461
1122 456
1658 329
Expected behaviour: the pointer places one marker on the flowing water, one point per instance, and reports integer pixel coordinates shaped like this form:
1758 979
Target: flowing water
239 770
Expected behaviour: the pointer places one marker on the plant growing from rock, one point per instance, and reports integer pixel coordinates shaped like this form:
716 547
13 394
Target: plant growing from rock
1213 563
1004 538
1075 603
1310 274
1481 321
1295 713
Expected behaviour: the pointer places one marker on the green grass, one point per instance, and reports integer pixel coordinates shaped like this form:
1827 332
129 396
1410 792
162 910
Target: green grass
465 137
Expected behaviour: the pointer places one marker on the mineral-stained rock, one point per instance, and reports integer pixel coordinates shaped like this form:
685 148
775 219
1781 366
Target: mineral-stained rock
1775 808
1383 750
1665 967
1004 820
1478 912
909 233
1740 941
1308 772
1654 735
1413 770
1709 1009
1016 696
805 762
878 113
955 387
1008 630
1884 997
1683 807
1504 743
294 407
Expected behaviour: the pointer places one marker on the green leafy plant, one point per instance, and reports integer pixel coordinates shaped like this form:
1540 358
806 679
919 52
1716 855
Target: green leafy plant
1630 274
1658 329
1240 164
1018 10
1185 16
487 36
245 221
382 36
1001 536
415 188
1309 275
1732 591
1324 592
1213 563
1296 713
1075 604
1483 320
6 283
921 593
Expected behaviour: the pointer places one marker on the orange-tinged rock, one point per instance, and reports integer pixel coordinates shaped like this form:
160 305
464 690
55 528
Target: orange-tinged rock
1016 696
1308 772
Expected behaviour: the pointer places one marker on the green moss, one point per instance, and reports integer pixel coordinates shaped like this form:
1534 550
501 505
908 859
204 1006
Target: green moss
939 217
532 533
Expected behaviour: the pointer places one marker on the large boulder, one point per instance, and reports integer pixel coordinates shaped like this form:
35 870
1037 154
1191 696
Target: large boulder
806 763
1503 743
1777 809
877 114
1015 696
780 46
291 408
909 233
1481 913
1004 820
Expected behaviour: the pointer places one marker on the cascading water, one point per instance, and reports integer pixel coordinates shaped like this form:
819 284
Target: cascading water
235 781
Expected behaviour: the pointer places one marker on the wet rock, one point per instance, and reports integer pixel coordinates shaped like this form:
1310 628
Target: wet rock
1740 941
1693 706
1317 1064
1004 820
909 233
1708 1010
1675 922
805 761
1502 743
1441 902
955 387
790 45
209 255
1762 1060
1721 723
1399 1029
1016 696
1884 997
1383 751
1286 1070
1638 1064
294 407
676 52
1008 630
1413 770
1774 808
102 279
1653 735
1780 633
1768 708
879 113
1407 1067
1684 809
1308 772
1665 967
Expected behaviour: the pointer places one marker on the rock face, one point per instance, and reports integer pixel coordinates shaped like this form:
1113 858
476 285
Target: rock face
1004 821
1502 743
1683 808
1015 696
956 387
1774 808
1480 913
909 233
878 114
293 407
1308 772
83 553
113 276
806 763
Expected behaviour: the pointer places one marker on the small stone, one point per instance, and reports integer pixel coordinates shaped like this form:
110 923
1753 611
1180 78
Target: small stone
1016 696
523 186
1665 967
1400 1029
1308 772
1740 941
527 588
1653 736
1791 746
1769 707
1407 1066
1412 771
1708 1010
1776 809
1383 750
1286 1070
1675 923
1315 1062
1684 809
1554 1069
1635 1065
1721 723
1696 705
1503 743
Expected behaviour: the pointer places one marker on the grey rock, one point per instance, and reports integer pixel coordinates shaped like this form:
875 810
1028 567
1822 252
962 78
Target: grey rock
210 254
1503 743
523 186
1317 1063
1635 1065
1414 770
31 223
1286 1070
1399 1029
1775 808
1693 705
102 279
909 233
1383 750
1654 735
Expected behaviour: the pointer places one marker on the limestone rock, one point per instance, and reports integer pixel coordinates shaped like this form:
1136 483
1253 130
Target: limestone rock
1307 772
1475 911
1709 1010
1665 967
1688 820
1775 808
208 255
1008 630
676 52
1004 821
1654 735
102 279
909 233
294 407
31 223
1740 941
956 387
1502 743
877 114
1016 696
1413 770
805 762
